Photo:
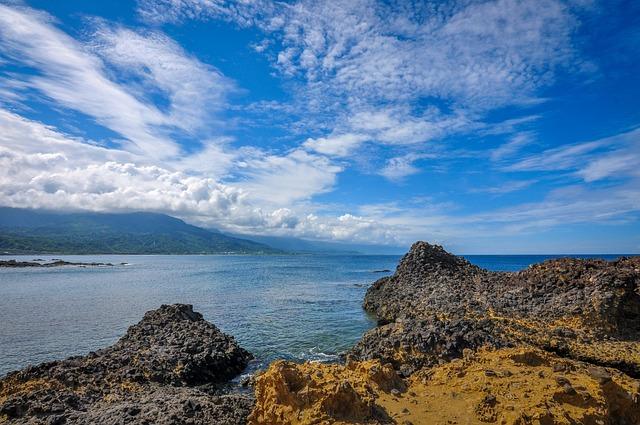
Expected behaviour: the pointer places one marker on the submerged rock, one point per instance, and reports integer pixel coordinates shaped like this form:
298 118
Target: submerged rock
162 371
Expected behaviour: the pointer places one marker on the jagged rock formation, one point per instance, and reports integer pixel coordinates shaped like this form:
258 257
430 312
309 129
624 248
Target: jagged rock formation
437 304
459 344
163 371
513 386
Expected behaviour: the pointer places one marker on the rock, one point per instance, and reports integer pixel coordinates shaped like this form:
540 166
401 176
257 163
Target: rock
437 304
471 346
289 393
336 394
599 374
162 371
53 263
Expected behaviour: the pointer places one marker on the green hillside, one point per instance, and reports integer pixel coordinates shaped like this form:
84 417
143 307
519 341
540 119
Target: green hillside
24 231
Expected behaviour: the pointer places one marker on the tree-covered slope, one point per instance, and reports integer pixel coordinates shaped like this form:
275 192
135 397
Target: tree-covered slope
24 231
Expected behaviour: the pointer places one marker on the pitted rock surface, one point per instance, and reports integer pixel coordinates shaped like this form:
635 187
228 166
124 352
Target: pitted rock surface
175 345
173 354
437 304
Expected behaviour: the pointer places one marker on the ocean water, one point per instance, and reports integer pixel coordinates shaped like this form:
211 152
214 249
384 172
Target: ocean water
302 307
512 263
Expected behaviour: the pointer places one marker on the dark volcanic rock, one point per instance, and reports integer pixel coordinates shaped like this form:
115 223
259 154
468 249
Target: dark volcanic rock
161 371
175 345
437 304
169 406
411 344
425 272
54 263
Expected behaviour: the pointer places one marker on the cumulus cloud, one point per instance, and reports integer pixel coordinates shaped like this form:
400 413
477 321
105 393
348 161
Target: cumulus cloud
360 73
41 167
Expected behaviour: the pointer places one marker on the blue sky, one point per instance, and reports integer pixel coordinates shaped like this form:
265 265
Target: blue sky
488 126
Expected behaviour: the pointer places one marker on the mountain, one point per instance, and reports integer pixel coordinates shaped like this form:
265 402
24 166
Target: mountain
306 246
24 231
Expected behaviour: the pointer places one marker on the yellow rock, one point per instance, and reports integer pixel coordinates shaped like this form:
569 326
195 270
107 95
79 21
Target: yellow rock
516 386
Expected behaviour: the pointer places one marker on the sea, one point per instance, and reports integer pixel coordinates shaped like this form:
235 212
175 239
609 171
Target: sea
296 307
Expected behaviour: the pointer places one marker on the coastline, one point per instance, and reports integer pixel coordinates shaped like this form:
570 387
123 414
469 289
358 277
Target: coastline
455 342
458 335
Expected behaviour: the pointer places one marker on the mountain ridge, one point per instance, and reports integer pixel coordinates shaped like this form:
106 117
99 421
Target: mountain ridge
28 231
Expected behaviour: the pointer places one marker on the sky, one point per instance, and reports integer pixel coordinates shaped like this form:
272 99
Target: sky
499 126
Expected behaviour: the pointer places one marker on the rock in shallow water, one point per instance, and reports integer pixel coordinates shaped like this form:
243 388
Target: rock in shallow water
160 372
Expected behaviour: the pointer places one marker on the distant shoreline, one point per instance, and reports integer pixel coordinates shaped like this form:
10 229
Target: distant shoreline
53 263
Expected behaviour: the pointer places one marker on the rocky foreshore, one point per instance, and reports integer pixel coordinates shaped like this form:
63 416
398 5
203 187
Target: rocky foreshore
165 370
437 304
557 343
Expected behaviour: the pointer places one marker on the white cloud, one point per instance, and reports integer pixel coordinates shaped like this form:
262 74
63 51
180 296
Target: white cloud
561 158
516 142
215 159
621 160
43 168
400 167
195 91
76 79
364 72
283 180
478 54
242 12
71 75
336 145
565 206
397 126
611 157
506 187
401 73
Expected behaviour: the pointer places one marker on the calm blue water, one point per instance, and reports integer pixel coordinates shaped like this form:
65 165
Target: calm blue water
295 307
513 263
